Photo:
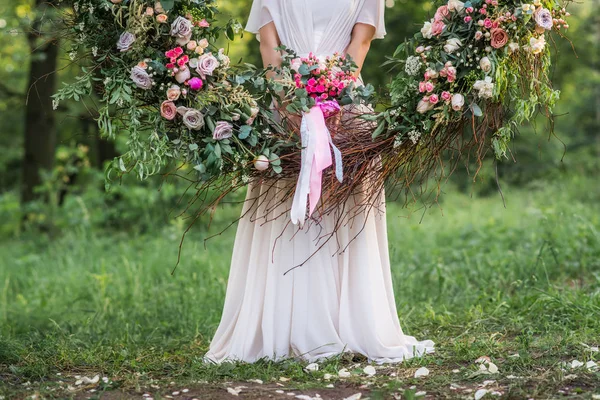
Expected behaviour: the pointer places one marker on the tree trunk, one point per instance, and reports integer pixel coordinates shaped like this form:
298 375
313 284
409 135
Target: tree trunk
40 129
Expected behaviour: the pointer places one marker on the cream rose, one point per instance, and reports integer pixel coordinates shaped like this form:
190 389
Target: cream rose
452 45
458 102
424 106
485 64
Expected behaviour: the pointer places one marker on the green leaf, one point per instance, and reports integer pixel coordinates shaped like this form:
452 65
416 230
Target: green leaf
245 131
167 4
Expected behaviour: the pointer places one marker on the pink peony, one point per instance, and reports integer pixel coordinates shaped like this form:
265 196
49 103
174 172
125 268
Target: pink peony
329 107
195 83
168 110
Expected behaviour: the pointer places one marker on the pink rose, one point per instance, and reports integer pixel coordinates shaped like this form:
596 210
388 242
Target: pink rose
203 24
434 99
223 130
478 35
446 96
451 74
437 28
429 86
441 13
487 23
195 83
191 45
499 38
168 110
468 19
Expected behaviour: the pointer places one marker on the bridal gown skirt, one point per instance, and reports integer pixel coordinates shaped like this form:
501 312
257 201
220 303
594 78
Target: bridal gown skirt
340 300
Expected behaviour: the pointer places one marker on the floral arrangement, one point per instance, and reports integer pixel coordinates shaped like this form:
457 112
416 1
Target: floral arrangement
328 83
473 74
473 60
164 82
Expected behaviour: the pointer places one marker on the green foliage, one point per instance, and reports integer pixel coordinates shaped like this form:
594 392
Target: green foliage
480 280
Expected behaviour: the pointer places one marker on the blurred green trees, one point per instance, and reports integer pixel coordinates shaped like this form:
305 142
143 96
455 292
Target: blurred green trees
577 126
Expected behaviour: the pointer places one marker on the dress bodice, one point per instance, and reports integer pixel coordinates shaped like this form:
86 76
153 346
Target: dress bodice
317 26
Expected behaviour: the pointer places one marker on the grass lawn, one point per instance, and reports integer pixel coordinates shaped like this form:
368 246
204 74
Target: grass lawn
520 285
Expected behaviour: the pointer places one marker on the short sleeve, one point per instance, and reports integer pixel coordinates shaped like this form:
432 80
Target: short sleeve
372 13
260 15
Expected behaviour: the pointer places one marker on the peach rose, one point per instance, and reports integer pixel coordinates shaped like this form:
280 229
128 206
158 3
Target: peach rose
168 110
162 18
173 93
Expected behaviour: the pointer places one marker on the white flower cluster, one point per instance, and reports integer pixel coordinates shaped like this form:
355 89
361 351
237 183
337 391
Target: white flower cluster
397 141
413 65
485 88
414 136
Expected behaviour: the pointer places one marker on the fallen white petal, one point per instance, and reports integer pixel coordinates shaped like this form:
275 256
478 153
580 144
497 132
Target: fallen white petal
576 364
256 381
343 373
570 376
456 371
312 367
423 371
492 367
175 393
327 377
291 394
485 383
591 365
516 355
284 379
234 391
279 392
356 396
482 359
496 393
78 382
185 390
304 397
480 393
421 393
596 396
330 386
370 370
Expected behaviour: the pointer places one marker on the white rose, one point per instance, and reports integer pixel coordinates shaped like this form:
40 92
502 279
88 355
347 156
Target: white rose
426 30
424 106
458 102
485 87
455 5
485 64
537 44
452 45
183 75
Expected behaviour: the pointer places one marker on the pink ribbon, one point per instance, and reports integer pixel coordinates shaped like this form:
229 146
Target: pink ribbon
316 157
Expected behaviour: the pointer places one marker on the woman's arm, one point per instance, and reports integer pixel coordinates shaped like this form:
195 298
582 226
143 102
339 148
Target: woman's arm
359 46
269 40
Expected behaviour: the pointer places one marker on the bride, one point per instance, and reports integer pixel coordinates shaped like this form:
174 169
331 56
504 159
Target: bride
337 301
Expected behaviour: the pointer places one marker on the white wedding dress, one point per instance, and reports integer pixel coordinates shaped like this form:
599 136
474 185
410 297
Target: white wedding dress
342 298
